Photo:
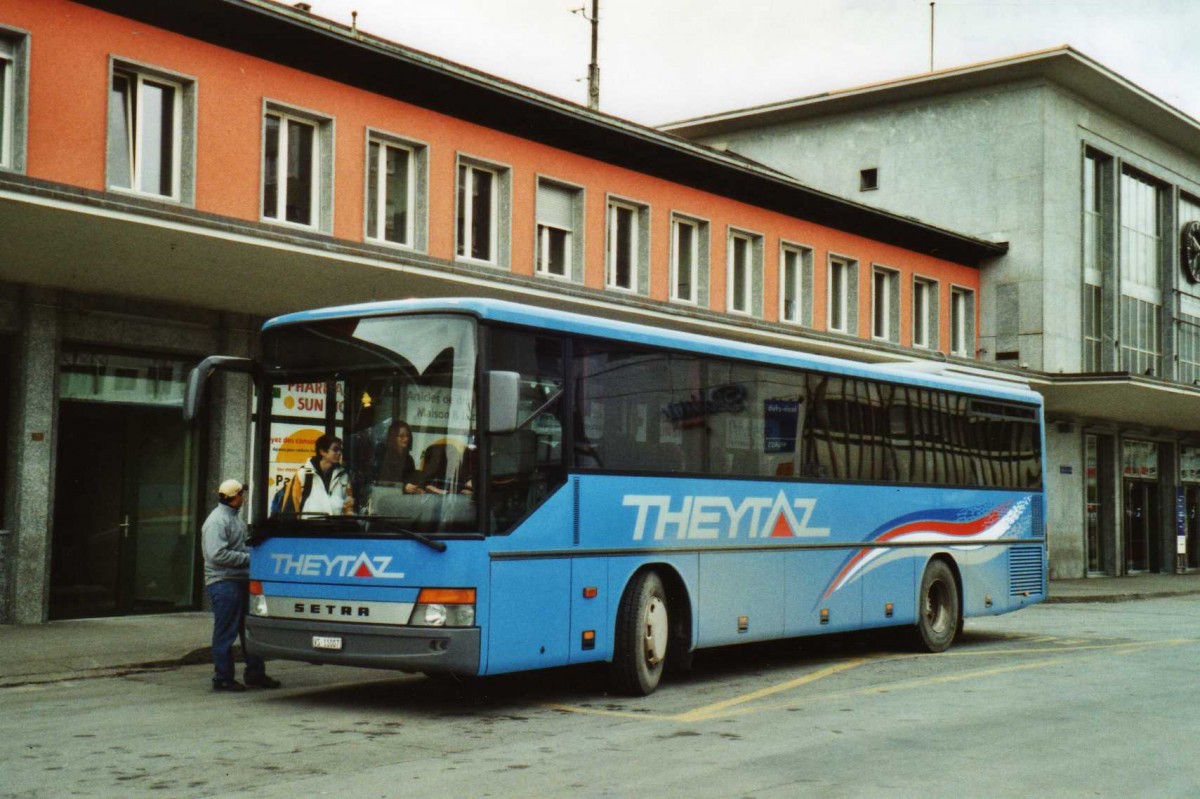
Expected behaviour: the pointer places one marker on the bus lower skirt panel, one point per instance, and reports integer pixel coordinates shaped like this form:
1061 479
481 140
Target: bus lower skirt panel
423 649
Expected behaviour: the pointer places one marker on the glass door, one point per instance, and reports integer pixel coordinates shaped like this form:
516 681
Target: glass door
125 510
1141 526
124 536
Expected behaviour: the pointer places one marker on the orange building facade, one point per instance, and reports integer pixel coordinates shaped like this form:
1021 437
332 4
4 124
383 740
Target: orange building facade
169 178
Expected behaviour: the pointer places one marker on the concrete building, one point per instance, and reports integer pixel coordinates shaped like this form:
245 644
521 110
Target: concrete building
1095 184
171 174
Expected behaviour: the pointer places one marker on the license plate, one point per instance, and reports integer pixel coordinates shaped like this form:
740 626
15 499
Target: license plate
326 642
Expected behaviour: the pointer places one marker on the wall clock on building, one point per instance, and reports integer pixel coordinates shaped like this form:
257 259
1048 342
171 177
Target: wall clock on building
1189 251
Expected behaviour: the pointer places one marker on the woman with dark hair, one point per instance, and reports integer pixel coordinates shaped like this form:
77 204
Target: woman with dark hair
396 466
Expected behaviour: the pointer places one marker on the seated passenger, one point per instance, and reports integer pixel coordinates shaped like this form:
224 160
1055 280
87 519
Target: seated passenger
322 485
431 478
394 459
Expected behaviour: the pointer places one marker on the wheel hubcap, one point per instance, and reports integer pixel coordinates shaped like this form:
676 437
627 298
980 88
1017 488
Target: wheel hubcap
935 607
656 631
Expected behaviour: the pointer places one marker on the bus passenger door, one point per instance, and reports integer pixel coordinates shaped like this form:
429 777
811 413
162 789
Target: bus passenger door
530 614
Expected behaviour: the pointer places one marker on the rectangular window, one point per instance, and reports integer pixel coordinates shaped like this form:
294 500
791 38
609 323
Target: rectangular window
1187 322
624 245
145 117
841 295
8 71
1141 275
685 259
885 305
795 264
962 322
557 219
924 308
741 269
477 212
291 164
391 189
1093 218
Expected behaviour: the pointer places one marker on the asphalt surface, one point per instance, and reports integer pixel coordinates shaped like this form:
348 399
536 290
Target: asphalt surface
88 648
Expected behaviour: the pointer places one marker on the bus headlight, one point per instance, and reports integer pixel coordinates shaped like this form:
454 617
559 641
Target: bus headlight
444 607
258 605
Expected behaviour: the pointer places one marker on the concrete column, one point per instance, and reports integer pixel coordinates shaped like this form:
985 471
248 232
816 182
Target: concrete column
230 410
34 419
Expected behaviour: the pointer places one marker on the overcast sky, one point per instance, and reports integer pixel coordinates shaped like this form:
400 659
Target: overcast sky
664 60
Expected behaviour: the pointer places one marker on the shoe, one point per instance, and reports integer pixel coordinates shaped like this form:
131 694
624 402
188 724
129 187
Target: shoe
262 682
228 685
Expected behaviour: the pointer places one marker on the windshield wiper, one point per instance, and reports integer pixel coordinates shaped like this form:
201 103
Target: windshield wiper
334 520
392 526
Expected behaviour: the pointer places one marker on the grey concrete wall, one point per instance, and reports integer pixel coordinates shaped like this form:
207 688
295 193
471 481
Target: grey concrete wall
971 162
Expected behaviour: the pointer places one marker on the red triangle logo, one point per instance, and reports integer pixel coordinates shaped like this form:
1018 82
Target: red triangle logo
782 529
363 571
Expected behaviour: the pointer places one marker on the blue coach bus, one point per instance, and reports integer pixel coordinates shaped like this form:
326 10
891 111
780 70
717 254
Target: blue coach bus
577 489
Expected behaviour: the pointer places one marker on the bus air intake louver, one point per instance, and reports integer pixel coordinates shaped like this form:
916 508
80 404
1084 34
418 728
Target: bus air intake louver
1026 571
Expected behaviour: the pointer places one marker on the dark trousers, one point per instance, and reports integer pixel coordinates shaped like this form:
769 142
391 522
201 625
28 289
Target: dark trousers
230 599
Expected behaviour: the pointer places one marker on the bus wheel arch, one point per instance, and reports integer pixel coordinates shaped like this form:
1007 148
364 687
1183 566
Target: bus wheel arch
652 631
939 605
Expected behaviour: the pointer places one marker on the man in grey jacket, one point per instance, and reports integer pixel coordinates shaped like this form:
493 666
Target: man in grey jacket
226 577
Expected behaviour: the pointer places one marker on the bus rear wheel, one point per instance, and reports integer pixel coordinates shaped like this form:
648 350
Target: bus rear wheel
939 612
643 631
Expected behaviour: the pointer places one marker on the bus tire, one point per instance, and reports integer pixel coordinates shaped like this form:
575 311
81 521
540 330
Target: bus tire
643 630
939 610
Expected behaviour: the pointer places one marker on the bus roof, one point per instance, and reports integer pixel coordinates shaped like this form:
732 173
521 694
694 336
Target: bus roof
914 373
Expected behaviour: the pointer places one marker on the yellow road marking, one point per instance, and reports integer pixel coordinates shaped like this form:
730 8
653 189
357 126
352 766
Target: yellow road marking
736 706
708 711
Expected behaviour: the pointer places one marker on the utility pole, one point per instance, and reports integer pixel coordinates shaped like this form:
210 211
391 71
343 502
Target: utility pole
594 66
931 5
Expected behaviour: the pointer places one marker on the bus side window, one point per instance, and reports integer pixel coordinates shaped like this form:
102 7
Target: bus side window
527 464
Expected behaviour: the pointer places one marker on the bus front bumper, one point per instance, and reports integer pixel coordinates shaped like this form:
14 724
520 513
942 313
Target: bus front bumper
444 650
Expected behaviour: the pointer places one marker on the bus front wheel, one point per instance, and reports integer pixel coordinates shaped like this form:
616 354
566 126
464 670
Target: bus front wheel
643 630
940 612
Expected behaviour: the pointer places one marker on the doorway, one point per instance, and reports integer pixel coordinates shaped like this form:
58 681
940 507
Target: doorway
1141 526
1191 505
124 536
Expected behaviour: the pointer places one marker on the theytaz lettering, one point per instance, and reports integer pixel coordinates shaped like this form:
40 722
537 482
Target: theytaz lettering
701 517
361 565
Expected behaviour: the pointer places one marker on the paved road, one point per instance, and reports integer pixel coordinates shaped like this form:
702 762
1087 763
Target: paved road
1058 700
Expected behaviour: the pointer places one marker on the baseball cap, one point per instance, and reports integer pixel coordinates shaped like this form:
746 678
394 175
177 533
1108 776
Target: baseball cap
230 488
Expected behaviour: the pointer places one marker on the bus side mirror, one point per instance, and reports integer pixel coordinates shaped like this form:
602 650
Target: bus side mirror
504 390
193 395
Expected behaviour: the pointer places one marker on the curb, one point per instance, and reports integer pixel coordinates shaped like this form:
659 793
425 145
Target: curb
195 657
1113 598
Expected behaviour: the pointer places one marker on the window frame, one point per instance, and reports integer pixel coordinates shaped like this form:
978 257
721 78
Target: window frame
416 227
930 317
639 243
183 121
464 215
321 201
753 259
573 247
679 221
962 322
14 110
849 294
802 279
890 306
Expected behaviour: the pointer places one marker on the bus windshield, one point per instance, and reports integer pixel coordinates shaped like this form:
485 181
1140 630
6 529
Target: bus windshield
372 425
